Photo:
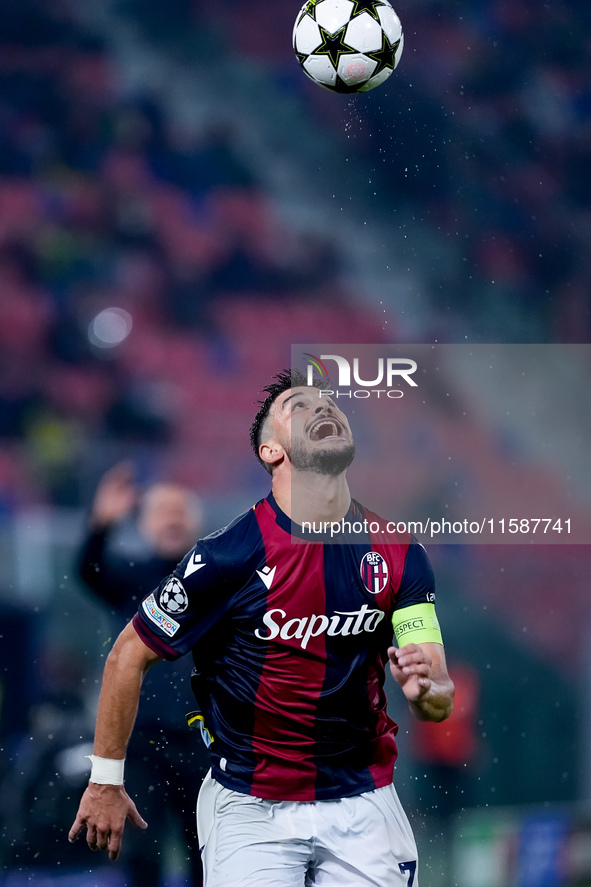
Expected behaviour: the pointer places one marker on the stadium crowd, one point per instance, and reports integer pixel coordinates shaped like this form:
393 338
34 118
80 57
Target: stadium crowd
105 202
489 118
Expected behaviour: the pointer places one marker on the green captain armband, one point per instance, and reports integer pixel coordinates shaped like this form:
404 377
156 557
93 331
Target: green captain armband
416 624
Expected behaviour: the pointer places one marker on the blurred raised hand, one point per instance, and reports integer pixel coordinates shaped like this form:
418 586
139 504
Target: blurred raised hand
116 496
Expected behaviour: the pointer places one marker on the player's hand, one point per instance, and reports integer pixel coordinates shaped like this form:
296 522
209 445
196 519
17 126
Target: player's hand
411 668
115 497
103 811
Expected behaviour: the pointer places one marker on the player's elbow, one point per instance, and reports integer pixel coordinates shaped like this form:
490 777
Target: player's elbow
116 658
129 653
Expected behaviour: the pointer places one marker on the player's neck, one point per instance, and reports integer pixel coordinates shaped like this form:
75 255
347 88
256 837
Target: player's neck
308 496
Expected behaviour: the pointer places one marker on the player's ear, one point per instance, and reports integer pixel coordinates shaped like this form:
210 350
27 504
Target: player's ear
271 452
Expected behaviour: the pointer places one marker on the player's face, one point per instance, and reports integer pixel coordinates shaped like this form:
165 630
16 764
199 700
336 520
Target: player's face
313 431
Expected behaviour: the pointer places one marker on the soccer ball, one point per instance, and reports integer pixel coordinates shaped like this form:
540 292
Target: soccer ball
173 597
348 45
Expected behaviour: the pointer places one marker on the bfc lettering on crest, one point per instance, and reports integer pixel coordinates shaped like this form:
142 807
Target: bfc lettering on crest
374 572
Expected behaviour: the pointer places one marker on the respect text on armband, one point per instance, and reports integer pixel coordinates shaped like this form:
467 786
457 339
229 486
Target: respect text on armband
411 625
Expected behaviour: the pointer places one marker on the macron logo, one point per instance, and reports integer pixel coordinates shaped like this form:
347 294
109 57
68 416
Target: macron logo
266 574
193 565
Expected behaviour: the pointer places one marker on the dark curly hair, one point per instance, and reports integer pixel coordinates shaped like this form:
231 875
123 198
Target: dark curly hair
282 381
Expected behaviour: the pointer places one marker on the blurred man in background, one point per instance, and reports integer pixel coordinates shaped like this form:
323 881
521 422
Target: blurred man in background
169 762
169 520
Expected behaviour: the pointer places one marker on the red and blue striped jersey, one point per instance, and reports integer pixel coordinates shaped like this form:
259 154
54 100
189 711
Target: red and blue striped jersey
289 640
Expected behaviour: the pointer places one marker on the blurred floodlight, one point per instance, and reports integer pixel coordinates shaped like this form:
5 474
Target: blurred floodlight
110 327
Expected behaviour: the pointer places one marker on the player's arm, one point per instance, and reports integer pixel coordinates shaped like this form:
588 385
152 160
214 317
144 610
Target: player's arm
418 663
421 672
104 808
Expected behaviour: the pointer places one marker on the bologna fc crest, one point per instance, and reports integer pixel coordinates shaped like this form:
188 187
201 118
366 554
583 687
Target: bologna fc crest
374 572
173 597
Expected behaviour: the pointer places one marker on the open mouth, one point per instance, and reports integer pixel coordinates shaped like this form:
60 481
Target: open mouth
324 429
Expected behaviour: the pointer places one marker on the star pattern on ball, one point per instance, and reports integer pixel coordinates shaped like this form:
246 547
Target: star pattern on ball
369 6
308 9
304 11
333 45
385 57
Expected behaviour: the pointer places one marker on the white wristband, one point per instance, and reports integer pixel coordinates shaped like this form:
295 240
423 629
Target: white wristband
106 771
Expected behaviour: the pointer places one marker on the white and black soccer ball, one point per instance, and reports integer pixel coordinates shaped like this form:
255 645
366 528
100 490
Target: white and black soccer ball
348 45
173 597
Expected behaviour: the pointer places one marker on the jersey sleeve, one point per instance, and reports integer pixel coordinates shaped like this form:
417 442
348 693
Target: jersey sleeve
414 620
417 585
185 606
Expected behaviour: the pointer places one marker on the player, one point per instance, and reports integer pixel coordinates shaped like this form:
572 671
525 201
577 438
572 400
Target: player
289 639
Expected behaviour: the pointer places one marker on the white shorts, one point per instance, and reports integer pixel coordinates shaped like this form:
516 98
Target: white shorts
351 842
